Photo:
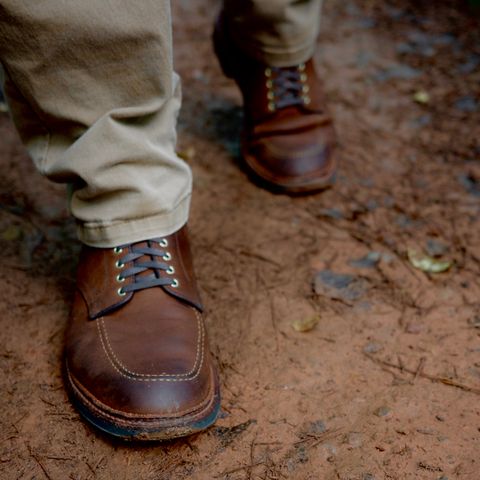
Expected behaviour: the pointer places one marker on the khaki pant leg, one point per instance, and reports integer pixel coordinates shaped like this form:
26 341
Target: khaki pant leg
92 91
277 32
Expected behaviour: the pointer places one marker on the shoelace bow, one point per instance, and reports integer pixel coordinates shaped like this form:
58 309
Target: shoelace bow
286 87
154 279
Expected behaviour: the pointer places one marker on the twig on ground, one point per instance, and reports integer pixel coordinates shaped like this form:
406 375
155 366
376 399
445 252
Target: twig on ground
421 364
40 464
317 439
420 373
239 469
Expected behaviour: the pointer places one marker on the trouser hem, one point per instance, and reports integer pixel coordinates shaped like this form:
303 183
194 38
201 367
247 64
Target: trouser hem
121 232
277 57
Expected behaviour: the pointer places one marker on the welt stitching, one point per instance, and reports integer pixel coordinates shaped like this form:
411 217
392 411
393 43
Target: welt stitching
150 377
100 407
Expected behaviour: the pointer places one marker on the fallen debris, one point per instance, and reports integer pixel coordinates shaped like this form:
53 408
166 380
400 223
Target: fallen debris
305 324
428 264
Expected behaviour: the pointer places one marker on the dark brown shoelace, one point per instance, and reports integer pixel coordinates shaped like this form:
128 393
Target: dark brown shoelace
286 87
152 258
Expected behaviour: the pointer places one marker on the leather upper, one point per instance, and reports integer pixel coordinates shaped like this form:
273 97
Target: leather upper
290 144
145 354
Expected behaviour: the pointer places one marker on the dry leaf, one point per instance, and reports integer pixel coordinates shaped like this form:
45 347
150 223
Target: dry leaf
12 232
187 154
421 97
305 324
428 264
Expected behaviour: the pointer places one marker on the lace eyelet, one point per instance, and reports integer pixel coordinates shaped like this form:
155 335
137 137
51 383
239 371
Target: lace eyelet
120 278
270 95
301 67
121 292
119 264
271 106
118 250
306 100
269 84
268 72
167 257
175 283
170 270
163 242
303 77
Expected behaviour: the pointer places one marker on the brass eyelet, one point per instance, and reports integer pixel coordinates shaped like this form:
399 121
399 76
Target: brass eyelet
270 95
303 77
305 89
119 264
268 72
301 67
269 84
306 100
271 106
163 243
167 257
121 292
120 278
170 270
118 250
175 283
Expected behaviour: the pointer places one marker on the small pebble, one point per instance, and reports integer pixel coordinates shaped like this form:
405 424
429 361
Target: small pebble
382 411
401 72
368 261
414 328
372 347
317 427
467 104
339 285
435 248
332 213
330 448
355 439
470 65
470 183
422 121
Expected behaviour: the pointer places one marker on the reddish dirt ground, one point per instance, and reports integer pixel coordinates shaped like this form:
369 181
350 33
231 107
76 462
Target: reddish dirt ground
387 383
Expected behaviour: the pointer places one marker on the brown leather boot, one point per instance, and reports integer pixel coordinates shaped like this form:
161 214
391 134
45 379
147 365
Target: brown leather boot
137 359
288 137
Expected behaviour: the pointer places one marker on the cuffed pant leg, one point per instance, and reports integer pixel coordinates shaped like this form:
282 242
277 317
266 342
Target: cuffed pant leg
92 91
279 33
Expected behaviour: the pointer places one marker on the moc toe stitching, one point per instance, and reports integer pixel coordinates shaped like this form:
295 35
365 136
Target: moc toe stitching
127 373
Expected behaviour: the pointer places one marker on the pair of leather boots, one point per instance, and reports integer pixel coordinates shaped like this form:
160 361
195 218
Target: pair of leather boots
137 359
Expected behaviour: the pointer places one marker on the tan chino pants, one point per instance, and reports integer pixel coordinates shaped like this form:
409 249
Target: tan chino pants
92 91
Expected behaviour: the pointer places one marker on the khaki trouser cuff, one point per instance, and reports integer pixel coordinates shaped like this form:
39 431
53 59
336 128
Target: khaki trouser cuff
113 234
278 57
278 33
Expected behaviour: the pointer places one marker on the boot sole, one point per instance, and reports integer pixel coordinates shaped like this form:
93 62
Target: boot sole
157 429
